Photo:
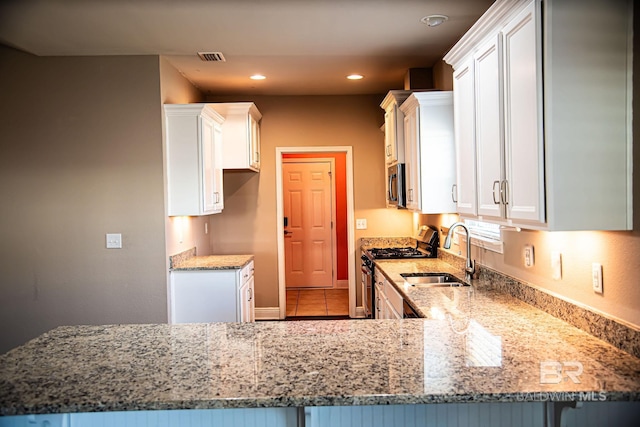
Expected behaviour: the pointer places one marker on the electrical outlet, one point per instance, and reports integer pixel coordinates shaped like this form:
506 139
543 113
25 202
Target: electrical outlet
596 277
528 256
114 241
556 265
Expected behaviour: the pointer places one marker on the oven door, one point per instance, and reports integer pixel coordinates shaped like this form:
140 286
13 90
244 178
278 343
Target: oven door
367 289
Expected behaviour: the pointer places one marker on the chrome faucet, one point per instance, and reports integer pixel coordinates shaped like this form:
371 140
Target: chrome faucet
471 265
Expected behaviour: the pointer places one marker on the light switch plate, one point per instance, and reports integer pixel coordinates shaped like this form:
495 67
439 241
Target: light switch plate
527 255
596 277
361 224
114 241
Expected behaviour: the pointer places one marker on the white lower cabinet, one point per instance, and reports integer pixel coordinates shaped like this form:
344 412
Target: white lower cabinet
202 296
388 300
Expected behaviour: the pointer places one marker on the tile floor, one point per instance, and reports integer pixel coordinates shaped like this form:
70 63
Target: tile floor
317 302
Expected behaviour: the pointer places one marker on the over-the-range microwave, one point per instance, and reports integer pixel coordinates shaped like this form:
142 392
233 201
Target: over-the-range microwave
396 192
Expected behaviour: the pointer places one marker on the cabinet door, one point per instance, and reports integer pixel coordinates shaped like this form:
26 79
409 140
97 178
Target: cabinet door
208 159
488 124
523 136
203 296
218 192
394 301
254 156
380 301
390 139
247 302
464 122
412 154
391 312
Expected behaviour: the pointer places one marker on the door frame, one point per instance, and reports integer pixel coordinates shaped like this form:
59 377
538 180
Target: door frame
282 289
334 239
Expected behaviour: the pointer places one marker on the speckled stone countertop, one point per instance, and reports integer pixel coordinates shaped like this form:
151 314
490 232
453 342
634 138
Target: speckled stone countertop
188 261
213 262
474 345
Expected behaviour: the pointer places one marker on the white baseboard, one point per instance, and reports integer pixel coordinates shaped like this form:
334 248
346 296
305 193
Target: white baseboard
267 313
342 284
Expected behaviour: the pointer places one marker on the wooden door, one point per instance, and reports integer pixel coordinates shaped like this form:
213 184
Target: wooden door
308 209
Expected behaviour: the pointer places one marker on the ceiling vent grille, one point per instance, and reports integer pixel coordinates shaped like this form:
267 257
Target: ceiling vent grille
212 56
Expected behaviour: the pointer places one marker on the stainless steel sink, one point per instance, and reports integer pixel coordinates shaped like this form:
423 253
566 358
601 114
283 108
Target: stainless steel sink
431 280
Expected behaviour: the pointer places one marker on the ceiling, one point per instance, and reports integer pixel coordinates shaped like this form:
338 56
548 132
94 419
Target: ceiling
303 47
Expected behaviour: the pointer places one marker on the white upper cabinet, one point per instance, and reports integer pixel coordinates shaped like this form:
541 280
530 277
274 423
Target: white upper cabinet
429 152
394 126
194 160
490 173
550 127
241 135
464 125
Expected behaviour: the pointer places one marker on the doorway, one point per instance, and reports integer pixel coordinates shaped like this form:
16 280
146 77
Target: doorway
309 205
342 252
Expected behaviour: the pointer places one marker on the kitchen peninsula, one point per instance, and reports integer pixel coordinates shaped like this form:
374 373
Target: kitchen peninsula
490 347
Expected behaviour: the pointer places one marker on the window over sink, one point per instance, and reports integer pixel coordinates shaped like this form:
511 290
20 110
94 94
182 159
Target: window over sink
483 234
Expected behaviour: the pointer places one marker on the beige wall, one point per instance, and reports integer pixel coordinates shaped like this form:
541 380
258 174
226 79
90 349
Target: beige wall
248 222
80 156
182 233
443 75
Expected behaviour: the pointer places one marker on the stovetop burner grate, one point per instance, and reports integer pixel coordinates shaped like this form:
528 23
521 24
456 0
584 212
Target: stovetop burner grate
405 252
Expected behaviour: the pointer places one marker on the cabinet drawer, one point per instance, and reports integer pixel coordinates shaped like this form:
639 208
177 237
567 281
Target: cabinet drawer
395 299
246 273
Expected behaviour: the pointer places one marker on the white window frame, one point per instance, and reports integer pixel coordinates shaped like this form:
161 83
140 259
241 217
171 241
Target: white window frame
484 235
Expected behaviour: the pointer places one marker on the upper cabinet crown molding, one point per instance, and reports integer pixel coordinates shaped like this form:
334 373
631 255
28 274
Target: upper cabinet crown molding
555 151
498 15
241 135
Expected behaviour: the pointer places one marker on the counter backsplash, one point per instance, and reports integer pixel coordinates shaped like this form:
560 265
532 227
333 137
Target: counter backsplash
622 336
181 257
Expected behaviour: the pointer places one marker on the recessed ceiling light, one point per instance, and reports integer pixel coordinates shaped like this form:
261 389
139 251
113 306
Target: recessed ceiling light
355 76
257 77
433 20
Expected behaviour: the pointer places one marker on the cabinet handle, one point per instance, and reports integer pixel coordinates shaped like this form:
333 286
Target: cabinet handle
496 202
250 292
410 195
504 187
454 190
217 196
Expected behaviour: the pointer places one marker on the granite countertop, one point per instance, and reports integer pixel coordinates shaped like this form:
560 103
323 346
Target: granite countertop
475 345
212 262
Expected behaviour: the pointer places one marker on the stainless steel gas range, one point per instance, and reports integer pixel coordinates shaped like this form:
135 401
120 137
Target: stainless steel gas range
427 243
